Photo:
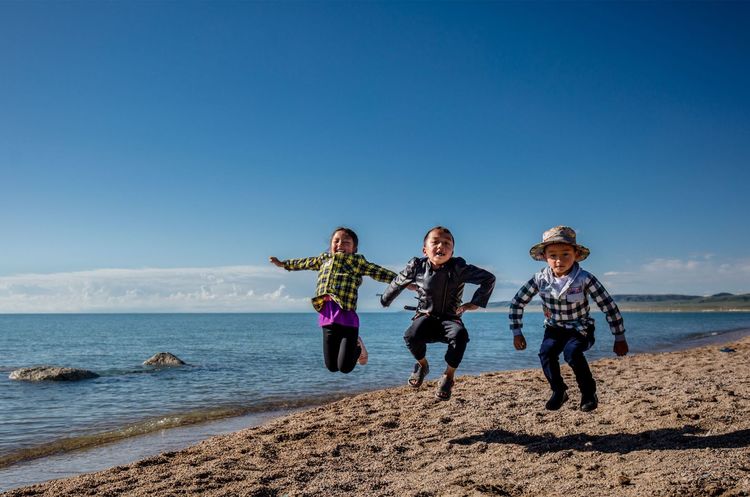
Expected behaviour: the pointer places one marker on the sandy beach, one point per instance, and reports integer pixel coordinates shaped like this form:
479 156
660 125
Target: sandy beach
668 424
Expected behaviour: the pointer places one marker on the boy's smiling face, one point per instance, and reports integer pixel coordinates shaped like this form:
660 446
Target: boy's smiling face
560 258
438 247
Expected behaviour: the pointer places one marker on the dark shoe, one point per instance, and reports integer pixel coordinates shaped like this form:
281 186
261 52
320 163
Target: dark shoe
445 386
556 401
589 403
417 377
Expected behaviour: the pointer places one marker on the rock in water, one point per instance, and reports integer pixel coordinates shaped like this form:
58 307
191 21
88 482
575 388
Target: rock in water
51 373
164 359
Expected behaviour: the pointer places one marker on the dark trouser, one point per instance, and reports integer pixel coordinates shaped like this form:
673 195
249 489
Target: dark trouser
429 329
572 345
340 349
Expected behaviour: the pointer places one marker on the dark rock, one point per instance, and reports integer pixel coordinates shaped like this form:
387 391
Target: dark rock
164 359
51 373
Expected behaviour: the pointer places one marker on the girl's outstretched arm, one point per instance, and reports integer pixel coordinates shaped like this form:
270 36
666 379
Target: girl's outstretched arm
378 273
312 263
273 260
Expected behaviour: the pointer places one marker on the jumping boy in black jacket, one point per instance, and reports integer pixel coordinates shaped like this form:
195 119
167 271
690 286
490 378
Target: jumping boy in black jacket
439 279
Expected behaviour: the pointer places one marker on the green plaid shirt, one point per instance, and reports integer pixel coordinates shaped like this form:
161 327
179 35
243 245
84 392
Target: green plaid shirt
339 275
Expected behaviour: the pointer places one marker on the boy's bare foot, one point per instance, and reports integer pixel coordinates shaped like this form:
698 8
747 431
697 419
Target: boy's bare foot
363 352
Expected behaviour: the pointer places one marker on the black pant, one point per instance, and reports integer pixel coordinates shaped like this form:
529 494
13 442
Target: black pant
340 349
572 345
430 329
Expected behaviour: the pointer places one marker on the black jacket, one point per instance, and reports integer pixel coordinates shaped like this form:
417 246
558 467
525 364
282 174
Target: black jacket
440 290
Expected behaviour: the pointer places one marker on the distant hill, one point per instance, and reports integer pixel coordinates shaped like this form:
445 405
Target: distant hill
662 303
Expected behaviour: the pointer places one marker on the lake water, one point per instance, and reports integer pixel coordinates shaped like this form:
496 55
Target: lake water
242 368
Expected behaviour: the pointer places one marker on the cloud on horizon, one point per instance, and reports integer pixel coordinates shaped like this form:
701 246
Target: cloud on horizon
217 289
694 275
268 289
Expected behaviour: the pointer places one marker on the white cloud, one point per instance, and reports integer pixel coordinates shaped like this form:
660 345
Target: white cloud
668 265
702 274
218 289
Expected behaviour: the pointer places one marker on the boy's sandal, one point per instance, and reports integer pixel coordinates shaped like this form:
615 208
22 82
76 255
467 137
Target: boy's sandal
445 387
417 377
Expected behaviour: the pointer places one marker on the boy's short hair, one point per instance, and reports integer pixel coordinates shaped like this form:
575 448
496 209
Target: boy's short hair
441 229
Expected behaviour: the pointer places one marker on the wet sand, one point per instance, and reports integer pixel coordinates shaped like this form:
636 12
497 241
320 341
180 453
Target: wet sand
669 424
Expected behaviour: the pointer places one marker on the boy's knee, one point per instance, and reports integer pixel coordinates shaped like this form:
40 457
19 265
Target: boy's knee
573 355
453 328
455 331
545 350
410 332
461 337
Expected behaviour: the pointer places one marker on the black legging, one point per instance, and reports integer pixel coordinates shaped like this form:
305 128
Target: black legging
340 348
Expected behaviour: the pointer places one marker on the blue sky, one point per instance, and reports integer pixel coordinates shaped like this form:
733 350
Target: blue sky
154 154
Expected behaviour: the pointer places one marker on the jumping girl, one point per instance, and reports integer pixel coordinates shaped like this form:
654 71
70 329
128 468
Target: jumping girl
340 272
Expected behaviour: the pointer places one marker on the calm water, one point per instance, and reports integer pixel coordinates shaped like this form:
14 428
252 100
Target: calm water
240 364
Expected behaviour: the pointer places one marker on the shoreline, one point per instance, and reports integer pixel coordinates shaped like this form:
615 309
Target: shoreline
692 347
158 425
99 457
154 429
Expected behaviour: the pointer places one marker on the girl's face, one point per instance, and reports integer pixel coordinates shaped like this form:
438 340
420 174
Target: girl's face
342 243
560 258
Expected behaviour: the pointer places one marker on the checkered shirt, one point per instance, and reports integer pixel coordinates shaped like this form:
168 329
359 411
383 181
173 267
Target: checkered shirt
339 276
559 310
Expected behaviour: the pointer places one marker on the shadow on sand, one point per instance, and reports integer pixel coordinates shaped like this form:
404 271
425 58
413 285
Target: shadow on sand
687 437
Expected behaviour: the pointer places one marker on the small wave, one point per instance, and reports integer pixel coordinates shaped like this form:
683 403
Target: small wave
713 334
109 373
176 420
704 338
136 370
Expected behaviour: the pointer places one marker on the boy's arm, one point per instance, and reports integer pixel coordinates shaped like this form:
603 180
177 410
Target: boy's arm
312 263
378 273
522 297
611 312
485 280
401 281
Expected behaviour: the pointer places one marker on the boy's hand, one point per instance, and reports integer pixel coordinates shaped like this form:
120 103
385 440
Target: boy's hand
275 262
412 286
621 348
466 307
519 342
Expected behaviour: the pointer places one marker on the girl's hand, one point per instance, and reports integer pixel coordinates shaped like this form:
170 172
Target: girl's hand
275 262
412 286
621 348
519 342
466 307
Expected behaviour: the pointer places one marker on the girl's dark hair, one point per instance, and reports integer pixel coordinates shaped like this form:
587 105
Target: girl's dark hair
349 232
441 229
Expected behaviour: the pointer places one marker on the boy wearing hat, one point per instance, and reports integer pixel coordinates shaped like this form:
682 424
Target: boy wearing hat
568 328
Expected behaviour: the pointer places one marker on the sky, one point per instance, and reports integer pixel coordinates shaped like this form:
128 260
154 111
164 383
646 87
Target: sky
154 154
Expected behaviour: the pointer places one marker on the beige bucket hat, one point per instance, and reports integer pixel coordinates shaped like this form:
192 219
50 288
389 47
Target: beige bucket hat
558 234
